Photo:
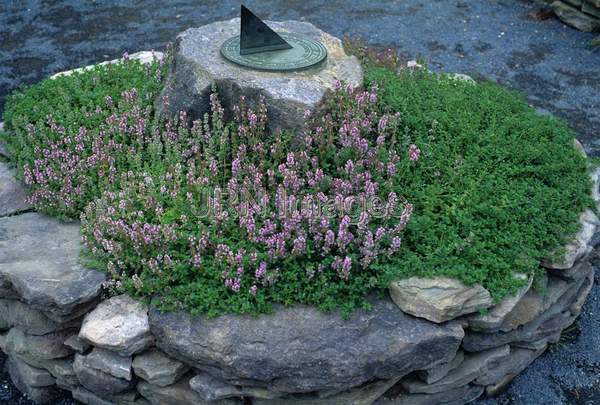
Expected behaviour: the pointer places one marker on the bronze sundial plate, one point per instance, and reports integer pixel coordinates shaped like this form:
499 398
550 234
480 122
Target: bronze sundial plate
305 53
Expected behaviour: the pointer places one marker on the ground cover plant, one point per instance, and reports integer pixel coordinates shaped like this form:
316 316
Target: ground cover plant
419 174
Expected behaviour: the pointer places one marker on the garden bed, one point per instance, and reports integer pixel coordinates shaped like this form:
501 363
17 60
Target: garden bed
483 187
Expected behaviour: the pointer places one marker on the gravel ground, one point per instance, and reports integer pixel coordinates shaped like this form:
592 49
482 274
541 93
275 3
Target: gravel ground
501 40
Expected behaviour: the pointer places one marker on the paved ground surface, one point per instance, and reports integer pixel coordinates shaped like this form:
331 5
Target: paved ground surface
550 63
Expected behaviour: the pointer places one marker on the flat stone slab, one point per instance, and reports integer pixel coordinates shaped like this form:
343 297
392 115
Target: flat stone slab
198 65
39 256
13 198
119 324
302 349
157 368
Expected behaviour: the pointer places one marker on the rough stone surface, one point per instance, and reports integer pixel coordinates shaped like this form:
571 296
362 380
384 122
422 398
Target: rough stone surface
177 394
456 396
12 193
198 66
31 376
98 381
580 246
40 395
46 347
39 256
74 343
517 361
110 363
302 349
157 368
473 366
549 324
575 18
119 324
442 370
497 314
28 319
438 299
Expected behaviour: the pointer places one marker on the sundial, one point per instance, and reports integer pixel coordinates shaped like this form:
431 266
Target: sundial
260 47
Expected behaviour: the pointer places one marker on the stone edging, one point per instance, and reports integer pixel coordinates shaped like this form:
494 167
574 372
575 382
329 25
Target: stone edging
59 333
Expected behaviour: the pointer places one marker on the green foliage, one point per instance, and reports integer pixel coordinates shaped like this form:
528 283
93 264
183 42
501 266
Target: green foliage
65 115
500 187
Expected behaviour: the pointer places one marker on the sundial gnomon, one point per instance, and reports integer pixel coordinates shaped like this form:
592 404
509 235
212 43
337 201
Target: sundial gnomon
259 47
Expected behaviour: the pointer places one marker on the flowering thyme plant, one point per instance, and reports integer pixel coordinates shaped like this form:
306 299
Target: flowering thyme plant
235 219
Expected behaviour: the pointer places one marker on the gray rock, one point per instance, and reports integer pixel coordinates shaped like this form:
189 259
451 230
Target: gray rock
547 325
580 270
302 349
472 367
438 299
74 343
534 303
39 395
29 320
89 398
110 363
210 388
577 305
442 370
31 376
119 324
39 256
177 394
497 388
198 65
575 18
364 395
517 361
496 315
456 396
580 246
45 347
6 290
588 8
157 368
97 381
13 198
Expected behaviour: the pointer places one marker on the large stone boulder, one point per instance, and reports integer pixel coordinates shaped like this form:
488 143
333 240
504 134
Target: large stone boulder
198 66
119 324
39 257
302 349
438 299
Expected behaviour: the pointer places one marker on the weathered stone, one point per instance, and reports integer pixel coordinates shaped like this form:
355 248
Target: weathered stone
473 366
577 305
13 198
577 272
517 361
89 398
74 343
98 381
119 324
302 349
456 396
198 65
364 395
496 315
157 368
575 18
40 395
438 299
145 57
29 320
45 347
534 303
6 290
31 376
211 389
39 256
177 394
500 386
547 325
590 9
580 246
110 363
442 370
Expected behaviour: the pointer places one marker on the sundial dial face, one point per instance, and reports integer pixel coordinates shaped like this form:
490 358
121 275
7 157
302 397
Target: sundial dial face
259 47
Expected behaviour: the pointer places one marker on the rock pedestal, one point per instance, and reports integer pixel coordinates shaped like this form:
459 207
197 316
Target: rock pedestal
198 66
